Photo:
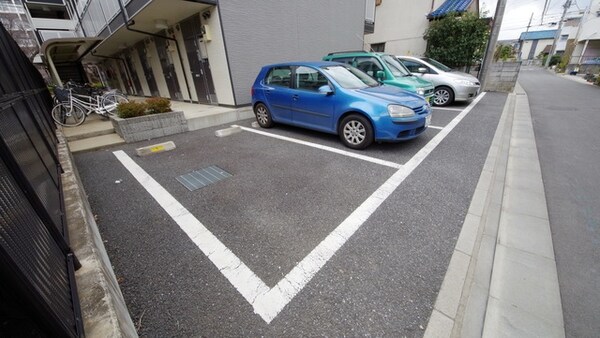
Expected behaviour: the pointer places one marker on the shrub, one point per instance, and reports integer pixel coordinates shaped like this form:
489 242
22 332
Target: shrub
597 83
157 105
131 109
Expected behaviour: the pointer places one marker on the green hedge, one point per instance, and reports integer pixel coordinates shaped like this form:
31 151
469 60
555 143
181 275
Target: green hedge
153 105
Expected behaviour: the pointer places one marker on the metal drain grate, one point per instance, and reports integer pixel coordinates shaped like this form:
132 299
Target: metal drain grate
203 177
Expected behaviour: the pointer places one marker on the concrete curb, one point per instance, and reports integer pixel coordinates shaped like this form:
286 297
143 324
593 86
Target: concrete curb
103 307
501 280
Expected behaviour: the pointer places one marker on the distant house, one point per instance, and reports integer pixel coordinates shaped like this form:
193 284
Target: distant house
400 26
586 54
533 43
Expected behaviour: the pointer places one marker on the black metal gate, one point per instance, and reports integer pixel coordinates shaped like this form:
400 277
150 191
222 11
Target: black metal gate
38 296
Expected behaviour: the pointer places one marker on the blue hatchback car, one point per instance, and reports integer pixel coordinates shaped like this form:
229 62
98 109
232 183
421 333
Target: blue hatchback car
339 99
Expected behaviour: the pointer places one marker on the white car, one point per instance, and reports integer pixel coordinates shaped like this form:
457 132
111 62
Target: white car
450 85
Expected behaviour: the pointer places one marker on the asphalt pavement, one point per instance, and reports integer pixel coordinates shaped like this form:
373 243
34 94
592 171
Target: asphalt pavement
565 120
283 199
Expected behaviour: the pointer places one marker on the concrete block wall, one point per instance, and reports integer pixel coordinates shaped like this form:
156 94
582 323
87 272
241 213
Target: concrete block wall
502 77
150 126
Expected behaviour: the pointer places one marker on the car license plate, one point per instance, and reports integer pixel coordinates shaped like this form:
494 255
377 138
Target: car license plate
427 120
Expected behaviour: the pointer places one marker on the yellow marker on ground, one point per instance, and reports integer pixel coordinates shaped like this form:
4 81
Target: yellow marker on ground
155 148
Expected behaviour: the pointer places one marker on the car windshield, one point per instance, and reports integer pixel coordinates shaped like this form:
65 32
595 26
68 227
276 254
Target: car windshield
395 66
350 77
438 64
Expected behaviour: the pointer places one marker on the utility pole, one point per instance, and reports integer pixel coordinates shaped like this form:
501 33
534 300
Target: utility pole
489 52
566 6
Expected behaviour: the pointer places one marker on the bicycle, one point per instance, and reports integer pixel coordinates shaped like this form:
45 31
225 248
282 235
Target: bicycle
74 108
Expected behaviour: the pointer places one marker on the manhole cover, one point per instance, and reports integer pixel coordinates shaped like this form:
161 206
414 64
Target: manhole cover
201 178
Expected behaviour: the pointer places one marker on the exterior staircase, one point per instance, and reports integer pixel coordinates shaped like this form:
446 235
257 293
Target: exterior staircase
94 133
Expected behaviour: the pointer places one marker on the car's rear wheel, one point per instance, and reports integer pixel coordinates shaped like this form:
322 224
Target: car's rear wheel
356 131
263 116
443 96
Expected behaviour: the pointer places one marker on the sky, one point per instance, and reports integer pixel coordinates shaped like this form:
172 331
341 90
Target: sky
518 12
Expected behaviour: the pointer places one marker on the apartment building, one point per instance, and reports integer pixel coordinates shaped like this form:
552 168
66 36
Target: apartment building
207 51
13 17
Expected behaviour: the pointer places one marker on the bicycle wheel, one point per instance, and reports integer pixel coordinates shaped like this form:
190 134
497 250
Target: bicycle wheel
111 100
67 115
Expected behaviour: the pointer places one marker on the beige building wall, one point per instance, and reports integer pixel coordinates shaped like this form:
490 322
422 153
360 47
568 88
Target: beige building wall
590 27
528 44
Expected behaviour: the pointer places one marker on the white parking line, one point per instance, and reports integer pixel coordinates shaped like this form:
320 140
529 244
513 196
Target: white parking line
436 127
443 108
326 148
268 302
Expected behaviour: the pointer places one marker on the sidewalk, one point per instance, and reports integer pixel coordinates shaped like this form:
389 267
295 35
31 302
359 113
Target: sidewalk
502 279
577 78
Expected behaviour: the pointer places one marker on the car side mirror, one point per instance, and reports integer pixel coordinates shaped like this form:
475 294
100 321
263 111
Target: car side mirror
422 70
326 89
380 75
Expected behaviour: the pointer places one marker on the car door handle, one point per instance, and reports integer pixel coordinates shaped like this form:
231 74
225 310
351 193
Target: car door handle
295 97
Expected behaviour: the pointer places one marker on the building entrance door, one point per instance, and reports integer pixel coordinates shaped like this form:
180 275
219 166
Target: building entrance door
166 61
198 59
148 74
134 76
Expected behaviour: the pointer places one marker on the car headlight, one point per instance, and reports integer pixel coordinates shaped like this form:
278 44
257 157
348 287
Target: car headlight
465 82
421 91
400 111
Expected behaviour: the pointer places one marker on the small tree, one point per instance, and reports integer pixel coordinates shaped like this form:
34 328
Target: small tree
457 40
503 52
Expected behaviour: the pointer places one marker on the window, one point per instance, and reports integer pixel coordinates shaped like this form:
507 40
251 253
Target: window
309 79
47 11
350 78
369 65
378 47
279 76
395 66
412 65
564 37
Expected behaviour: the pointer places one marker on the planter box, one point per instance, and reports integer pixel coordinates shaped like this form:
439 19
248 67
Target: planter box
150 126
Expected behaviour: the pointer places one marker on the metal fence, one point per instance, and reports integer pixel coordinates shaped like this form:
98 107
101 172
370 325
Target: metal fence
38 296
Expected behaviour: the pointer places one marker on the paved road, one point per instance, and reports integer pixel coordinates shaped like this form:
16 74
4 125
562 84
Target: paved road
566 119
282 201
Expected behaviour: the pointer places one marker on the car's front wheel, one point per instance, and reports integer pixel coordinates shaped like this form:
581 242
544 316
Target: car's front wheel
443 96
356 131
263 116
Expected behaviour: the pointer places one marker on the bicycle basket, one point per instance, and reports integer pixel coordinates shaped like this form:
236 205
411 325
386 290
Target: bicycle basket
61 94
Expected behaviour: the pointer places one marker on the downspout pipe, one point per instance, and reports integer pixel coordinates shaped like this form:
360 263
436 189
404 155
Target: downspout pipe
129 23
114 58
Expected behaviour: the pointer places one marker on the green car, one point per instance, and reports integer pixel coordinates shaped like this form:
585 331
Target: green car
386 69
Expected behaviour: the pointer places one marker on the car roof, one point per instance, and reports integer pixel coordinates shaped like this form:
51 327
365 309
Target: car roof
304 63
410 57
353 53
